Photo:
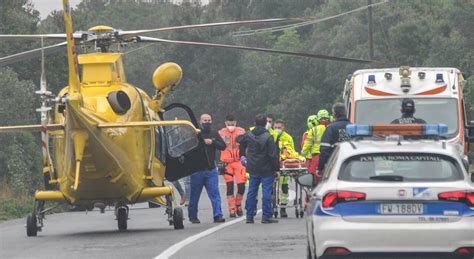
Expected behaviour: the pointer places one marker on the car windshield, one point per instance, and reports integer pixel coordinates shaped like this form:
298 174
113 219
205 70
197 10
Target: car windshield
400 167
432 110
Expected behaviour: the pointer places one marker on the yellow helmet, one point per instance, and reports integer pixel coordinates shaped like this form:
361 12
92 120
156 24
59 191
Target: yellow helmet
323 114
312 121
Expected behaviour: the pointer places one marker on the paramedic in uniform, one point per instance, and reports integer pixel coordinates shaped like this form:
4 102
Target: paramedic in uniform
408 109
234 169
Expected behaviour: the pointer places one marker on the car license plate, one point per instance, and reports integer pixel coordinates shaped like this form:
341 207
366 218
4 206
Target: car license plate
401 208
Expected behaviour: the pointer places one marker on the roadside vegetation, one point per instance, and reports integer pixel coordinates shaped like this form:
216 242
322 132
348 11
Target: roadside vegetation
415 33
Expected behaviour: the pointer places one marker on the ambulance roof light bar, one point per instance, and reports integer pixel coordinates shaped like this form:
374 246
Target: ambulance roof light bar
421 130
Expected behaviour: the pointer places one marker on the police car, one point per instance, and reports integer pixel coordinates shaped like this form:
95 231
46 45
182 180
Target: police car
392 197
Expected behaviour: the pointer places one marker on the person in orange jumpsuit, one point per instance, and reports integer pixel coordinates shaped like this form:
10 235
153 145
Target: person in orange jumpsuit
234 168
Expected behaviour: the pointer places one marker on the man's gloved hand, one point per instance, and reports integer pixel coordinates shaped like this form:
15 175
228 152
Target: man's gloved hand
243 161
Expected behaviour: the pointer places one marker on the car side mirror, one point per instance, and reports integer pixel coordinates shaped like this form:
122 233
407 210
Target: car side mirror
306 180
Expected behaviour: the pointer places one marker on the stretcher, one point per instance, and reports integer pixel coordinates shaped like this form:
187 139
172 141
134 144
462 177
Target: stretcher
292 168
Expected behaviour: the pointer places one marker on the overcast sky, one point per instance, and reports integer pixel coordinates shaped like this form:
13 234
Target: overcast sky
46 6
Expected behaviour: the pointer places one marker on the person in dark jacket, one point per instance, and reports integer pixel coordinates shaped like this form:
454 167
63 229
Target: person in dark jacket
207 178
408 109
335 132
262 160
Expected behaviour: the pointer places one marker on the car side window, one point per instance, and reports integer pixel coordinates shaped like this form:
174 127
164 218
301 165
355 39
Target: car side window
330 165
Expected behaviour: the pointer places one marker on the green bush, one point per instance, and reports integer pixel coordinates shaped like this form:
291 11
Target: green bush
15 208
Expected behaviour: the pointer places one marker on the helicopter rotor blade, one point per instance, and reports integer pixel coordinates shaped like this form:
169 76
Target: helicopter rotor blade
274 51
57 36
8 60
207 25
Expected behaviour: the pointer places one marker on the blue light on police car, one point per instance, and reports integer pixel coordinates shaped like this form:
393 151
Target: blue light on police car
439 78
371 80
435 129
359 130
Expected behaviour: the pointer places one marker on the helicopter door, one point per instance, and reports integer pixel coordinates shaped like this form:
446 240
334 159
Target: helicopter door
185 149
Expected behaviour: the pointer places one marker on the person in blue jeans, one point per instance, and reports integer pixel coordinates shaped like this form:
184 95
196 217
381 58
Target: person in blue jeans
262 162
207 178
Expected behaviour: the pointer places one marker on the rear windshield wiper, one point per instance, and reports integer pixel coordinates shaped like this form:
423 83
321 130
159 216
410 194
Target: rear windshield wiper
393 178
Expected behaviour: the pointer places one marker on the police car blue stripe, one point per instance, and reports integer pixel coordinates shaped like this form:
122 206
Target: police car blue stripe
373 209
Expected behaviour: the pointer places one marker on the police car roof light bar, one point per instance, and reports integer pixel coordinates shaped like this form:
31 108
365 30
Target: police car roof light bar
364 130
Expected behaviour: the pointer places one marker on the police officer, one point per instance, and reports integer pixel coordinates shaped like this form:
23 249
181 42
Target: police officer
408 109
335 132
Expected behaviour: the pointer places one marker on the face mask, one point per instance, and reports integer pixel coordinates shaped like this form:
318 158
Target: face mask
231 128
268 126
206 126
278 131
408 111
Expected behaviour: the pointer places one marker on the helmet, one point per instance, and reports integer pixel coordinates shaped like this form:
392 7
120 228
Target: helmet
312 121
323 114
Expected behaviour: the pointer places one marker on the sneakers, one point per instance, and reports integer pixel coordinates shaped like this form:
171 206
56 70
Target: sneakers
219 220
232 214
240 213
249 221
195 221
269 221
283 213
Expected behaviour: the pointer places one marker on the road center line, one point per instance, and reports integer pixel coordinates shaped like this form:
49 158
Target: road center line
178 246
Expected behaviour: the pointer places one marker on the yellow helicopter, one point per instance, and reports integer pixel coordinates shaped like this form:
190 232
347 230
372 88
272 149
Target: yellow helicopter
113 145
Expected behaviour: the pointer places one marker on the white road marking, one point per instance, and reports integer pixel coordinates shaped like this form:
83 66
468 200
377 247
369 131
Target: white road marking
178 246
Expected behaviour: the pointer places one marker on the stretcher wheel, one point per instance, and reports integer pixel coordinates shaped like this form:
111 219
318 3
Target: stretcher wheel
178 218
31 226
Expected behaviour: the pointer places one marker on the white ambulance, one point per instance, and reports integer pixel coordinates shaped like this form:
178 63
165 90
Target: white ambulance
375 95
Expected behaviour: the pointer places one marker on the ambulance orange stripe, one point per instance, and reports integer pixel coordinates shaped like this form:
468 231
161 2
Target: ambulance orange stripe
434 91
377 92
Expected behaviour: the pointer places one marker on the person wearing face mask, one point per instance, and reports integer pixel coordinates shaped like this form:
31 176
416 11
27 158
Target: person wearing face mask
234 168
282 137
313 141
408 109
207 178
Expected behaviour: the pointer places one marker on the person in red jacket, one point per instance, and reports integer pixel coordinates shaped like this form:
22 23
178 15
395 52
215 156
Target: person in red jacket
234 169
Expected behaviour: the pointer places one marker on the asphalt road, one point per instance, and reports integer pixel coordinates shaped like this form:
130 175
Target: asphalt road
95 235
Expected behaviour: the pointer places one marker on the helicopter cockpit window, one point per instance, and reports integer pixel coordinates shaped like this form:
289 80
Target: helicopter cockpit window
160 145
180 138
